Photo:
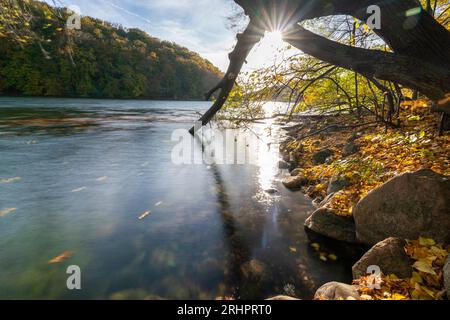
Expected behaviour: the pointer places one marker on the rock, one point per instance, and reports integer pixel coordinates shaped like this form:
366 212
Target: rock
327 200
389 255
296 172
447 277
325 222
295 182
337 183
408 206
282 298
271 191
322 156
283 164
350 148
254 270
337 291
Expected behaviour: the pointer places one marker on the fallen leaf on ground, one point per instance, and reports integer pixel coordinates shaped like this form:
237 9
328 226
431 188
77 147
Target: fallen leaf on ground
63 256
424 266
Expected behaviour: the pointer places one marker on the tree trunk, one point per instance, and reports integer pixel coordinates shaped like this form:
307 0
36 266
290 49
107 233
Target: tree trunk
429 79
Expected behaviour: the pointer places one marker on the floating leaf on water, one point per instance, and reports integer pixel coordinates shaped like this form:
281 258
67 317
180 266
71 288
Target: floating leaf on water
78 189
63 256
102 178
5 212
332 256
10 180
158 204
144 215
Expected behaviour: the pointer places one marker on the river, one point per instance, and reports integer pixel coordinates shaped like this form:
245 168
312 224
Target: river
77 174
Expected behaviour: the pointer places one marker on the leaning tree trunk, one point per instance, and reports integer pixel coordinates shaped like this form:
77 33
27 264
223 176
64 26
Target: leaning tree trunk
421 46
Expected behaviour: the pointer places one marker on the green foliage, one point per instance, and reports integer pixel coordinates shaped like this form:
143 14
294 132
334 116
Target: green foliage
40 57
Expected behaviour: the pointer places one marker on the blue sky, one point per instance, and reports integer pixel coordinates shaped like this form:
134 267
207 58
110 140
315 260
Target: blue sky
199 25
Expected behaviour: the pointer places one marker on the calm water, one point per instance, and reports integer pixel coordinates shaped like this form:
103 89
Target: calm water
89 168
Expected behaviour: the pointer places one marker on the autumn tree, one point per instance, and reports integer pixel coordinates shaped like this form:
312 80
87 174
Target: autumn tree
419 46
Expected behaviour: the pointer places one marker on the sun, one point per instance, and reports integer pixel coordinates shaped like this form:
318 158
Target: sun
266 51
273 39
269 51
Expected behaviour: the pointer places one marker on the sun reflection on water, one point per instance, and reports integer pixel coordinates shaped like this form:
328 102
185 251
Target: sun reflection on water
268 148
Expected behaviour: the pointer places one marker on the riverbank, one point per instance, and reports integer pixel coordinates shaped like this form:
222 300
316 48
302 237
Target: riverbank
351 166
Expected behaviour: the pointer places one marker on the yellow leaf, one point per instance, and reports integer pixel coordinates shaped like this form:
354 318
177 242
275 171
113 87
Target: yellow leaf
423 266
332 257
63 256
416 277
426 241
398 296
144 215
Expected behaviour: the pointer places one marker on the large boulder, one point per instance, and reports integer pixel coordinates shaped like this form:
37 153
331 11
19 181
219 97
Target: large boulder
337 291
389 255
295 182
447 277
326 222
408 206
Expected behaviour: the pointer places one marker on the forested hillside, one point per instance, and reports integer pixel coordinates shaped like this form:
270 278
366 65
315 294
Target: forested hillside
39 56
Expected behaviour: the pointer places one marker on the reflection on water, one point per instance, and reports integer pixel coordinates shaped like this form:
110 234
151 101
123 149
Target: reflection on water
76 176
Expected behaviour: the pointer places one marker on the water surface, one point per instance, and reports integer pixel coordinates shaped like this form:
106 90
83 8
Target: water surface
89 168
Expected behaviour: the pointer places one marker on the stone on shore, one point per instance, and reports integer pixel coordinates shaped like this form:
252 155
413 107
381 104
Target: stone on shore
350 149
337 291
295 182
447 277
277 298
389 255
408 206
322 156
326 222
337 183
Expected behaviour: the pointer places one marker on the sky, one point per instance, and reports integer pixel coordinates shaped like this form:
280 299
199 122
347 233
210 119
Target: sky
199 25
